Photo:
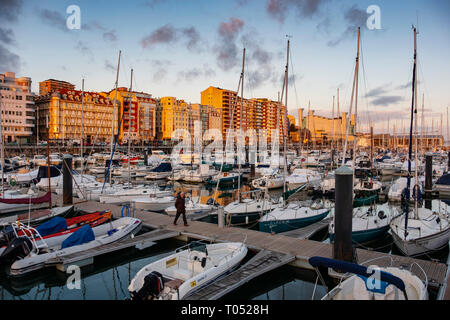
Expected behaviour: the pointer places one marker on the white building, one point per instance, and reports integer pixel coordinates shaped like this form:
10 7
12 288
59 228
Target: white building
17 108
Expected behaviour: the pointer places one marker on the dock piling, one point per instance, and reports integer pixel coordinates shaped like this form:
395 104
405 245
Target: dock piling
220 220
342 248
428 180
67 179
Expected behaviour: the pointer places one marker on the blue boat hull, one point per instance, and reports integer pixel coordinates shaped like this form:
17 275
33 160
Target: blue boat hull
278 226
366 235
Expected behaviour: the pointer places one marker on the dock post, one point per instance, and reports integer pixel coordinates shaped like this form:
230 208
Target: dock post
428 180
67 179
342 248
448 162
220 221
146 156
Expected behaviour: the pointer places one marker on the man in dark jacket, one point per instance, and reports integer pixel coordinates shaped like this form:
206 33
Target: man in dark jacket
181 209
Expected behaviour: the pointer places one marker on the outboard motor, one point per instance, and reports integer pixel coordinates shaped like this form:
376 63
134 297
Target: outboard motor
153 285
18 248
7 235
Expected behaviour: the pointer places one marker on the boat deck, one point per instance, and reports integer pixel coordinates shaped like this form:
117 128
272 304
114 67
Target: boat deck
301 249
264 261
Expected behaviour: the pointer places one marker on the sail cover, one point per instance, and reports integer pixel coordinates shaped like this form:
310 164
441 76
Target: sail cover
45 198
163 167
82 235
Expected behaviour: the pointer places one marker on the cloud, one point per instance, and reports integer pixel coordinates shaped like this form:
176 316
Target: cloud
278 9
54 19
8 60
196 73
152 3
165 34
406 85
110 35
161 69
354 18
386 100
378 91
193 38
226 50
10 10
109 66
84 49
6 36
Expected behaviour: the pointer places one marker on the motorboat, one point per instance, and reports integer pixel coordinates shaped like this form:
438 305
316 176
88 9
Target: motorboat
153 203
301 177
176 276
38 252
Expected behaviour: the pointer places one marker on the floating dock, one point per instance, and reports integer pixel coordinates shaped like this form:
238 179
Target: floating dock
301 249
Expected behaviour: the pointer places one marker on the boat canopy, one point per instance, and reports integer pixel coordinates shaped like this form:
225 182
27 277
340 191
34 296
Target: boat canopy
163 167
54 225
43 172
361 271
445 179
82 235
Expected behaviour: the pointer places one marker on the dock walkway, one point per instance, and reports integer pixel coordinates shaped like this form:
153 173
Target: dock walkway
309 231
301 249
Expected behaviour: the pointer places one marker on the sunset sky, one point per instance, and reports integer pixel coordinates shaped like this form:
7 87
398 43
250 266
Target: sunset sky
179 48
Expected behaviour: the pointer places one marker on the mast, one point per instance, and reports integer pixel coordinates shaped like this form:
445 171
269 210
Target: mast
240 124
332 134
82 128
3 152
114 117
422 120
447 127
286 129
355 84
129 127
413 104
340 123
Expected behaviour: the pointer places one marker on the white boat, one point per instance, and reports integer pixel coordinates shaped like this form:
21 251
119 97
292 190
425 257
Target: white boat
39 160
428 232
192 208
389 166
99 235
153 203
55 159
373 282
186 271
34 217
198 176
301 177
271 181
396 189
21 178
162 171
129 194
57 182
15 207
369 222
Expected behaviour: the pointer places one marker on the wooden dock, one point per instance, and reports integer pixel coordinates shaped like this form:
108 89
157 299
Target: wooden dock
301 249
87 257
264 261
309 231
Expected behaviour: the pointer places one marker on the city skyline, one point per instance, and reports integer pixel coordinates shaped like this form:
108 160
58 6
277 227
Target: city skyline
179 48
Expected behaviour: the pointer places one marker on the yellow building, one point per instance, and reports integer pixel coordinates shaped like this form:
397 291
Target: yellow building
323 129
60 114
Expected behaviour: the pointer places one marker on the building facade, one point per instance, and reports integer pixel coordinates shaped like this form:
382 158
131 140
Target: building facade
60 116
17 108
52 85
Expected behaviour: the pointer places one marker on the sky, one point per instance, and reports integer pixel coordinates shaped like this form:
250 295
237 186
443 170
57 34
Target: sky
181 47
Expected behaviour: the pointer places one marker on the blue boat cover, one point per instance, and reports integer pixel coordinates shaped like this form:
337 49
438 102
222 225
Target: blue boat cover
361 271
54 225
82 235
43 172
163 167
445 179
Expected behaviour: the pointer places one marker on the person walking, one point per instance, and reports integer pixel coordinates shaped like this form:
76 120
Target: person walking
181 209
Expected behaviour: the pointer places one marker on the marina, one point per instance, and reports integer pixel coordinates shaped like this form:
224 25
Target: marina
269 176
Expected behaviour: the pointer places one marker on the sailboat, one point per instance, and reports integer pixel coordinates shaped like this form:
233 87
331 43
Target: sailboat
295 214
246 210
426 231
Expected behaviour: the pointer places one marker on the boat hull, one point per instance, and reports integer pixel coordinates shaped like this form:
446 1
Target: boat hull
278 226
